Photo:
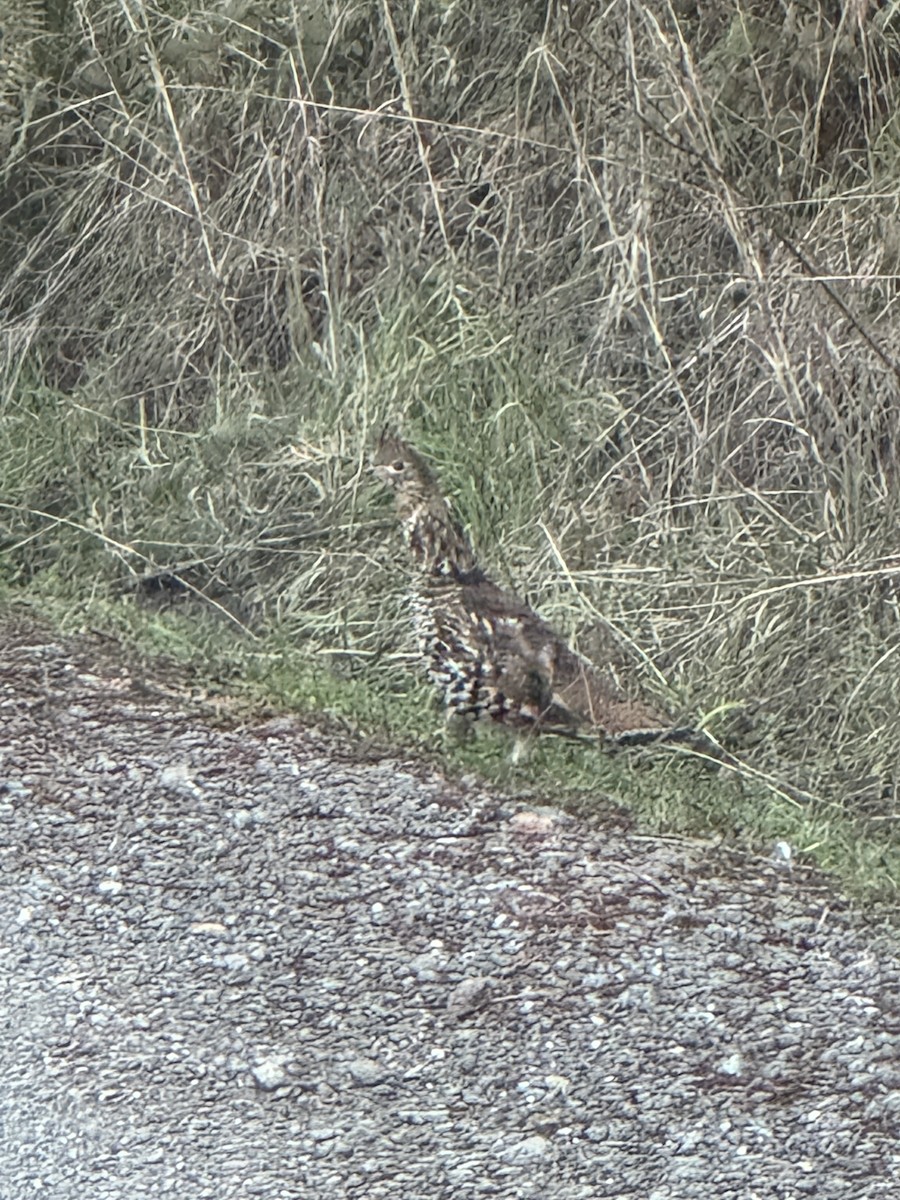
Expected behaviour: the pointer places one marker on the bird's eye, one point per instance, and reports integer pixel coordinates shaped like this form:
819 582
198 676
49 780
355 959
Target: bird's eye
398 466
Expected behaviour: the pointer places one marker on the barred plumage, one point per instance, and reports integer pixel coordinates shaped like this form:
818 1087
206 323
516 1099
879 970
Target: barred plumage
493 657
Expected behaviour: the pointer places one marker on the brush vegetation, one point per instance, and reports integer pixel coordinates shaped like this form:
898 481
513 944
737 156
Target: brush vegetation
628 274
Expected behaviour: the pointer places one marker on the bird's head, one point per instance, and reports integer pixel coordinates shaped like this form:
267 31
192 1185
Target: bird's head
403 470
435 537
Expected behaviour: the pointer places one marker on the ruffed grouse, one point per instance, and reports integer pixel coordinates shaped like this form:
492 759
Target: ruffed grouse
490 654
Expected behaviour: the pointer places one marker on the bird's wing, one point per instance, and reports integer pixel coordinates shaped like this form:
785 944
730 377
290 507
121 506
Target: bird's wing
535 668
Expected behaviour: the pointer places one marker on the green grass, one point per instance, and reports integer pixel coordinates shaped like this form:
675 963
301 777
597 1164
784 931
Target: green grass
656 792
629 280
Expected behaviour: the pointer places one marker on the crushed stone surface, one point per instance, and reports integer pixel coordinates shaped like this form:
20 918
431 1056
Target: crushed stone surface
260 962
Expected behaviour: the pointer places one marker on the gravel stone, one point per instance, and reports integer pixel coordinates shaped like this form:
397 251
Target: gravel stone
525 1151
269 1074
368 1072
266 961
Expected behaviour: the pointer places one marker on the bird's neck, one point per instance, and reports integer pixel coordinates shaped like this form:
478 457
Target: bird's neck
437 542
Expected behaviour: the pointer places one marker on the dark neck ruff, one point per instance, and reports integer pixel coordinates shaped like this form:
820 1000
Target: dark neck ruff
439 546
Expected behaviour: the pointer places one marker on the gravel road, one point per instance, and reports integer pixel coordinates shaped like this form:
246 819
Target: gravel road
261 962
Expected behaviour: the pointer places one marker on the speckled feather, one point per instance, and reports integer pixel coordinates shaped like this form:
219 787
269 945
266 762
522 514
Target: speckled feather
491 656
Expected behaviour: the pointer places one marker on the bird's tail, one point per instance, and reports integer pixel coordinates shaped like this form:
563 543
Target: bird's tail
695 741
653 737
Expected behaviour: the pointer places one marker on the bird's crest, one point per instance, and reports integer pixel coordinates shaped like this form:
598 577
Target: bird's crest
434 535
399 466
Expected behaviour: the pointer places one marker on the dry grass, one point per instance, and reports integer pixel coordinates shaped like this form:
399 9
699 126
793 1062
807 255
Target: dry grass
630 276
